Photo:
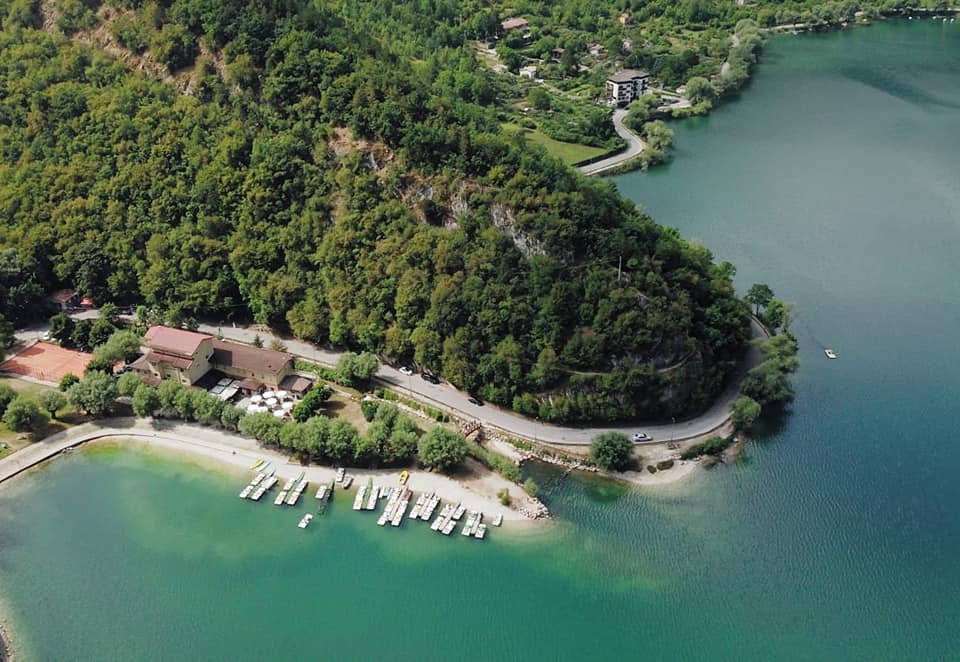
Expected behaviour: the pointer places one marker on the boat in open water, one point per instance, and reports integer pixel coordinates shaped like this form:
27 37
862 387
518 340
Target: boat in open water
830 353
305 520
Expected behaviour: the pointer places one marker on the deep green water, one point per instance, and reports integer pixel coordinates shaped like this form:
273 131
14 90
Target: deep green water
835 179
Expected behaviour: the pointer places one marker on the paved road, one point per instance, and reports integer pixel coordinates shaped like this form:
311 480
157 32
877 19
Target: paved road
444 396
634 147
447 397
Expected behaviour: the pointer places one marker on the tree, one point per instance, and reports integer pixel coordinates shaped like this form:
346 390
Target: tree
345 368
94 395
311 403
368 407
442 449
365 366
209 409
612 451
341 440
128 382
7 395
759 295
146 400
264 427
99 365
400 447
700 89
231 417
52 401
539 99
776 315
100 332
61 327
530 487
658 135
123 345
23 415
80 335
68 380
744 411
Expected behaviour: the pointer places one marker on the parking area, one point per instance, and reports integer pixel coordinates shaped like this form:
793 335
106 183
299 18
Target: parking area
46 362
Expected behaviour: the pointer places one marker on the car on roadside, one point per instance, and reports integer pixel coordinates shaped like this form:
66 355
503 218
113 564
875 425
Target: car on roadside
474 400
642 436
428 377
406 371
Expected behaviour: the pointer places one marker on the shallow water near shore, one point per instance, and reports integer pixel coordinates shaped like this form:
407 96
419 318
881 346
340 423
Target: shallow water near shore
835 179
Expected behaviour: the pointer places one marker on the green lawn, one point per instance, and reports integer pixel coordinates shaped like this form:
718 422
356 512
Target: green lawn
567 152
16 440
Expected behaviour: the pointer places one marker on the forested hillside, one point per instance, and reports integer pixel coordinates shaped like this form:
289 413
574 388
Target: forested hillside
345 177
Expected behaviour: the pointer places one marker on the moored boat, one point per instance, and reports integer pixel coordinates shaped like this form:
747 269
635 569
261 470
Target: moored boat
246 491
481 531
346 482
404 477
471 521
321 492
449 527
373 493
498 520
269 482
258 479
458 513
256 465
358 501
280 498
418 506
341 472
430 507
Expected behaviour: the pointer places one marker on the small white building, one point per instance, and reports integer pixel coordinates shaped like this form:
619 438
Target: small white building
529 71
626 85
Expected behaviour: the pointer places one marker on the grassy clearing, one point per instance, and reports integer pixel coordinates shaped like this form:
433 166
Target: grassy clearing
14 441
569 153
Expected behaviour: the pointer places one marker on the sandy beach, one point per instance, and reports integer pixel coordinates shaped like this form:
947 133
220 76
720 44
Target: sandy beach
474 486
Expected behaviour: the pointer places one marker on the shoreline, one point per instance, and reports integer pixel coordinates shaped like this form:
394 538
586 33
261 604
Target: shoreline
475 486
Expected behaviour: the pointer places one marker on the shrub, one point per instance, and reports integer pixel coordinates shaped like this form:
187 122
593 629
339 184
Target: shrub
311 403
744 412
7 395
611 450
369 409
23 415
663 465
504 496
98 365
530 487
68 380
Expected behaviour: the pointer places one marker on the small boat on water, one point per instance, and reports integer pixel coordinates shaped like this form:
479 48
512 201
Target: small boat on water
471 522
481 531
321 492
498 520
297 492
458 513
418 506
289 485
258 479
442 518
346 482
269 482
830 353
280 498
246 491
256 465
341 472
305 520
373 494
449 527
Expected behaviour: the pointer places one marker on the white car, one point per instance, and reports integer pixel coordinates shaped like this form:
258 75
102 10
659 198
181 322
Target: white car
406 371
642 436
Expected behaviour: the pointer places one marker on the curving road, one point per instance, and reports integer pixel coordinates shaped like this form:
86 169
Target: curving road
634 147
444 396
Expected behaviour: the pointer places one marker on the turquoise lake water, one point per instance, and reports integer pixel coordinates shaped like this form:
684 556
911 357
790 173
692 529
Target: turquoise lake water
836 180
